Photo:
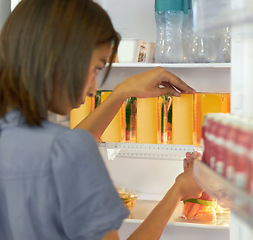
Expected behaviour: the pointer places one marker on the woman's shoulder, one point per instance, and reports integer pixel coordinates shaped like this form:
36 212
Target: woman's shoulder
61 131
75 142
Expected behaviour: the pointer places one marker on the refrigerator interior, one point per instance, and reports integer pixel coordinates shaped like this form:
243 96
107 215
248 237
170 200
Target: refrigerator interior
152 176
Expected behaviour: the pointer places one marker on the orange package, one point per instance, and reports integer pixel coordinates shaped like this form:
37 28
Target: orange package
201 209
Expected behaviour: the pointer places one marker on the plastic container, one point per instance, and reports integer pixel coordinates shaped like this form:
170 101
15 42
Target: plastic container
202 209
169 18
128 197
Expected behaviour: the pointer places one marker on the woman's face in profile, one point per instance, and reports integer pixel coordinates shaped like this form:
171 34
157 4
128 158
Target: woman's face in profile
98 60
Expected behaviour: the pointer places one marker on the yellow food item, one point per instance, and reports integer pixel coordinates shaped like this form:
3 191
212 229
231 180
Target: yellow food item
198 118
78 114
200 210
182 119
129 199
115 132
211 103
208 103
148 120
226 102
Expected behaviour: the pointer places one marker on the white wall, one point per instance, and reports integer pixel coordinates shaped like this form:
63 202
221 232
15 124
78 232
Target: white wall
5 9
14 3
137 20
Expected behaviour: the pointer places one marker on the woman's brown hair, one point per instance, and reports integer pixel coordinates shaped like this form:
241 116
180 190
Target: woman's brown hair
47 45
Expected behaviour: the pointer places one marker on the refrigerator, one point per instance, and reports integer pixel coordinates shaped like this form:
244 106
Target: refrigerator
150 169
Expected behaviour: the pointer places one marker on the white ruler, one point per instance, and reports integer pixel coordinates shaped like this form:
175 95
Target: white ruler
147 151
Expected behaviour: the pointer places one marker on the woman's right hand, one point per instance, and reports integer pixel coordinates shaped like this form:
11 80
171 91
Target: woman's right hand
152 83
186 182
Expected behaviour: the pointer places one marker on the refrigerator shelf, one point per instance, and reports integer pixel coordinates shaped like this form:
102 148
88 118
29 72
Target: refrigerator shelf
143 207
238 200
175 228
174 65
147 151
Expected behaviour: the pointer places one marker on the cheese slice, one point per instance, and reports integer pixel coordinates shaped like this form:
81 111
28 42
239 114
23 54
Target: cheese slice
211 103
182 119
207 103
226 103
78 114
115 132
197 118
148 128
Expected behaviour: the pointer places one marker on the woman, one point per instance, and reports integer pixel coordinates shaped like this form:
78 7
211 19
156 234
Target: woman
53 182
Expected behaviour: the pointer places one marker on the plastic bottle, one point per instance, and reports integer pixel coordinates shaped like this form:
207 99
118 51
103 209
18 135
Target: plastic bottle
202 48
185 30
224 45
169 19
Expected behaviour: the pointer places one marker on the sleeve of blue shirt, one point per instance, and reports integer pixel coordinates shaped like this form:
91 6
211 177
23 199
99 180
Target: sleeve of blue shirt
89 205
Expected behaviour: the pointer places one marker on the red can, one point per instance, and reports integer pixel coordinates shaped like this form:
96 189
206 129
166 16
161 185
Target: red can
250 179
221 138
242 157
229 150
205 139
213 142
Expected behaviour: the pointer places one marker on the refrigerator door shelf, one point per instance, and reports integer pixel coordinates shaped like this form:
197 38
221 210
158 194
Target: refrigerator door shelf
238 200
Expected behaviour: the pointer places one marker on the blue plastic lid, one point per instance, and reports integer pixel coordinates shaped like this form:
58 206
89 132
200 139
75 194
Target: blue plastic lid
169 5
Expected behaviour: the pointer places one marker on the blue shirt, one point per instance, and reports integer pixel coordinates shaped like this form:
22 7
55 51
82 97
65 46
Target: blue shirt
54 184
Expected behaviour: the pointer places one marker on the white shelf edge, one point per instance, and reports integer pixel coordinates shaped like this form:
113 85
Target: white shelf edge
184 224
174 65
238 200
147 151
144 207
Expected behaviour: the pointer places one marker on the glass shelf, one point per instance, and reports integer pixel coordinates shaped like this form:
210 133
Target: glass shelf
239 201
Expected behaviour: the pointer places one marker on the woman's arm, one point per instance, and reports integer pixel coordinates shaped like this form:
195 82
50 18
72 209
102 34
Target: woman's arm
112 235
153 226
144 85
185 187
